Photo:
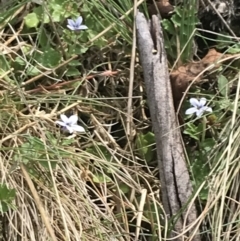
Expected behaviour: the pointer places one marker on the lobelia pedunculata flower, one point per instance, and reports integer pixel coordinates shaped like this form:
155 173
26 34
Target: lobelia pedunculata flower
76 24
70 124
198 107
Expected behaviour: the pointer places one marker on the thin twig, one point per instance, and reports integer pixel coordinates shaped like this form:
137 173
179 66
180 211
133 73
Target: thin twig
131 77
58 86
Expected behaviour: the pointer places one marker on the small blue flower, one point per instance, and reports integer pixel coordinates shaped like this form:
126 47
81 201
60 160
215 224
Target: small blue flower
70 124
198 107
77 24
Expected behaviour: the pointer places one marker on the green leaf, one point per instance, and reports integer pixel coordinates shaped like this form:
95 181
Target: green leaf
223 85
192 131
33 71
234 50
3 207
57 13
200 172
43 39
67 142
168 26
7 196
72 71
77 49
29 151
51 57
74 63
178 11
101 178
176 20
100 151
46 163
42 15
208 144
20 61
225 104
124 188
34 150
145 144
31 20
82 50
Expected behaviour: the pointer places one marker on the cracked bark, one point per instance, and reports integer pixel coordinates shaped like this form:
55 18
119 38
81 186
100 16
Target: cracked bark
176 188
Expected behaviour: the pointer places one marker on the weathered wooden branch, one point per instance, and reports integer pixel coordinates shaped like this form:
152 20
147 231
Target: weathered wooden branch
176 188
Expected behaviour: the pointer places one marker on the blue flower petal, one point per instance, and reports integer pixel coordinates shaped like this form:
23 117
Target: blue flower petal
206 108
199 112
71 22
73 119
191 111
82 27
71 27
64 118
78 128
69 128
79 21
61 123
194 102
202 102
209 109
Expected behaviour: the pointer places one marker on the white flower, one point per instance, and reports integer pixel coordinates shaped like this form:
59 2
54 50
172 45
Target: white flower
70 124
198 107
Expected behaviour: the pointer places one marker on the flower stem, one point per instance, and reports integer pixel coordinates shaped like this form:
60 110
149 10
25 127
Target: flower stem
204 121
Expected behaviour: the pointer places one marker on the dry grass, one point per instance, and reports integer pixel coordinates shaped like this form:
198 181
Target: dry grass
94 186
88 187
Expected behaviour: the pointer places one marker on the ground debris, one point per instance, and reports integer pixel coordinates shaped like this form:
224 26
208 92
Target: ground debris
194 71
